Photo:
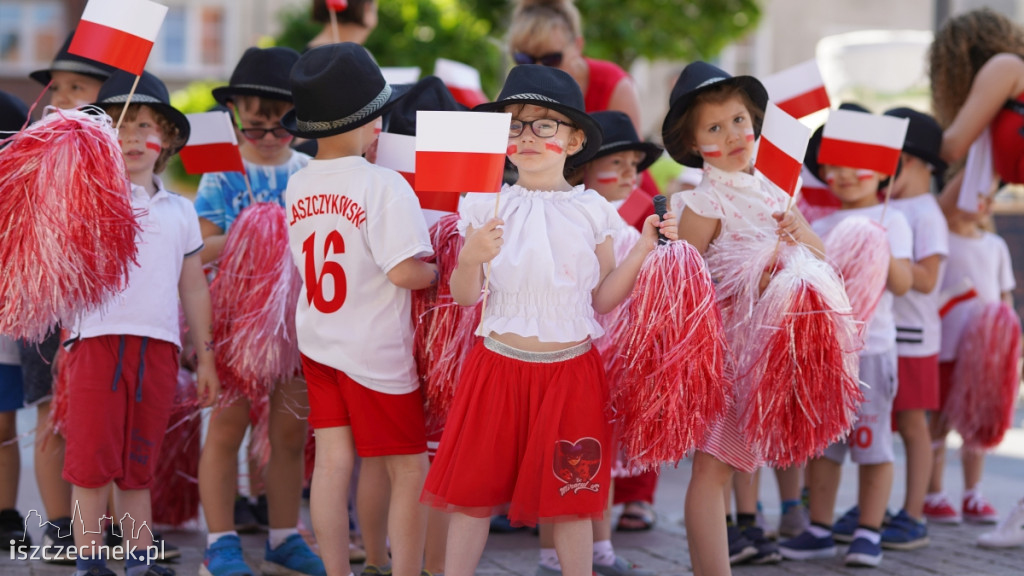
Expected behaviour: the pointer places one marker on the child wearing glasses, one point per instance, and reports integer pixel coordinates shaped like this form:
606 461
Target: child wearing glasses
549 258
257 97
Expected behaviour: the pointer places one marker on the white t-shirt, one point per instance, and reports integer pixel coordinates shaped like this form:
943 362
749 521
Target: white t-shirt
148 306
880 336
541 280
351 221
917 313
9 352
985 262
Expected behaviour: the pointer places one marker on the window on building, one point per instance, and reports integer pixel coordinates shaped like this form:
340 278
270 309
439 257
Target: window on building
31 32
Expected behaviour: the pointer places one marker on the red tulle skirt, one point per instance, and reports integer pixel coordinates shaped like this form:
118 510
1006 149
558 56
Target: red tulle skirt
532 434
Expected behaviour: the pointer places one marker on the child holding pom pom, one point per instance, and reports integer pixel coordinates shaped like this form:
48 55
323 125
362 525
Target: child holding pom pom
871 442
712 122
123 357
548 452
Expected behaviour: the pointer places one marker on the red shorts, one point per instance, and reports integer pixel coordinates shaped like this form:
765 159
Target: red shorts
919 384
528 429
945 383
382 424
120 398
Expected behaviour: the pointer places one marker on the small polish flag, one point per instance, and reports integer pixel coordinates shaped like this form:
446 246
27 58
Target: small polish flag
460 151
119 33
462 80
958 293
337 5
636 208
860 140
400 74
398 152
799 91
212 145
783 144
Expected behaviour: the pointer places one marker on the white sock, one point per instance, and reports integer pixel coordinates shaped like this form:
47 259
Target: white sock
214 536
604 554
818 531
277 536
869 535
549 559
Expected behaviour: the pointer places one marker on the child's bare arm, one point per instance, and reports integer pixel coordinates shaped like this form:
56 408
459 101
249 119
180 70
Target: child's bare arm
413 274
900 276
481 246
794 228
697 230
195 301
214 239
926 273
998 80
617 281
1007 298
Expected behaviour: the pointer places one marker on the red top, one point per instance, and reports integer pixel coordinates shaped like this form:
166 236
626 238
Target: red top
1008 141
604 77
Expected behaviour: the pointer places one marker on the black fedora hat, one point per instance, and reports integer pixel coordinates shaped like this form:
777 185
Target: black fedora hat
13 114
150 91
620 135
550 88
429 93
814 144
924 137
336 88
65 61
696 78
260 72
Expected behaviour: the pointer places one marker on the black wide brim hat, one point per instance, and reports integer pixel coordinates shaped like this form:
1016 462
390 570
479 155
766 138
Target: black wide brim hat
429 93
65 61
620 136
924 137
261 72
814 144
549 88
150 91
698 77
337 88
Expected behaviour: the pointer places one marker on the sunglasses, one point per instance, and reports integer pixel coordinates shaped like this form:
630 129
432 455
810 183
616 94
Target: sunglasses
280 133
553 59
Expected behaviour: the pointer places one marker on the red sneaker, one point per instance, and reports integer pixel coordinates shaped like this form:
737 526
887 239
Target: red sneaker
938 509
977 509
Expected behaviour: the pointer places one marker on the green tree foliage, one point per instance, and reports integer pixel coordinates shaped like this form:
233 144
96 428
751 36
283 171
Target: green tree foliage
417 32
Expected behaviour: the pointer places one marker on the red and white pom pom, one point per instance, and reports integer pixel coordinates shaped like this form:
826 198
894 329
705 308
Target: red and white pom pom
445 331
68 238
858 247
175 497
612 344
986 377
254 297
798 389
673 390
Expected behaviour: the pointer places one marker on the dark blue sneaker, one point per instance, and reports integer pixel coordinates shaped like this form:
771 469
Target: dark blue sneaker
843 529
224 558
292 557
740 548
863 553
904 533
807 546
767 550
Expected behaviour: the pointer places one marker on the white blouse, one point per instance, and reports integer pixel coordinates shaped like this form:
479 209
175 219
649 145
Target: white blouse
541 280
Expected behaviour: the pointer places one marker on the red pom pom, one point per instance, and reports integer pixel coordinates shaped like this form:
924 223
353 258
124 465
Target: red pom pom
986 378
175 497
858 248
445 331
69 230
254 297
673 390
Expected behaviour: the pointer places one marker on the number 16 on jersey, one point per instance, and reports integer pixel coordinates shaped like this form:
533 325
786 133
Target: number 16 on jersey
317 284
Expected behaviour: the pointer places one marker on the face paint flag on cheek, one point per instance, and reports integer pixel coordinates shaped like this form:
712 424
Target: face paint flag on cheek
512 149
554 146
711 151
864 174
154 143
607 177
749 135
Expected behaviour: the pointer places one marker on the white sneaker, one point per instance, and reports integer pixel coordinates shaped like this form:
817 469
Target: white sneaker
1009 533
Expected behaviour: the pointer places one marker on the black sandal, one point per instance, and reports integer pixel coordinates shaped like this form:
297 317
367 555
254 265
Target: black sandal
637 521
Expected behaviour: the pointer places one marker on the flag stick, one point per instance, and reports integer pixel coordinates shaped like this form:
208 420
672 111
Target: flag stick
128 101
248 187
487 273
334 25
888 196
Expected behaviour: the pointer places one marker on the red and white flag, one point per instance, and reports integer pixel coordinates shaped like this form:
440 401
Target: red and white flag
462 80
460 151
798 91
119 33
636 208
860 140
337 5
398 152
781 152
212 145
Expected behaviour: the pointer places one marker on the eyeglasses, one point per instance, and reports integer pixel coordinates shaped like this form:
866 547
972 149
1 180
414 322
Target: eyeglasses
553 59
541 127
280 133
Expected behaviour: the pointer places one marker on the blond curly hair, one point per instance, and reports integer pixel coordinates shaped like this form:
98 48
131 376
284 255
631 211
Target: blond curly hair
960 48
